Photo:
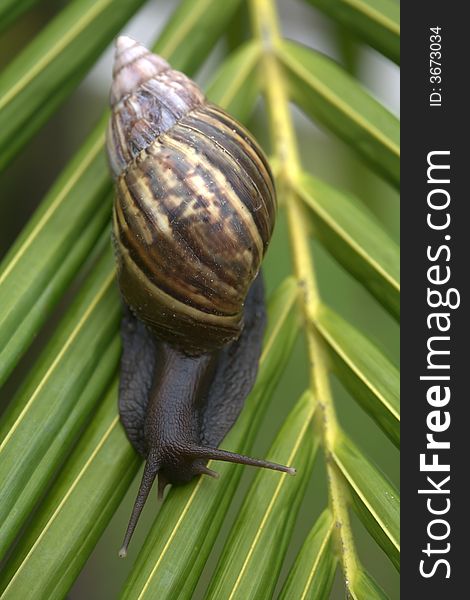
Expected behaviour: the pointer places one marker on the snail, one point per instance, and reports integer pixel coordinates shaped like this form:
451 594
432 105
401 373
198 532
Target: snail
193 216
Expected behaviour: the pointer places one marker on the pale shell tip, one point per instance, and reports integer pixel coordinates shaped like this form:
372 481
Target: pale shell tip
123 42
133 63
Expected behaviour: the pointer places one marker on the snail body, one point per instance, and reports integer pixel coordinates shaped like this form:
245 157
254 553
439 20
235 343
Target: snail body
193 216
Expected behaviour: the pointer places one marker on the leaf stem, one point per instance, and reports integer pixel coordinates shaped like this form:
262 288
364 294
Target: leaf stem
265 25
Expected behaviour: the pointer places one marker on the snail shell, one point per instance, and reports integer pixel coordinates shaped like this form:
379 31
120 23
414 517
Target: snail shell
194 212
195 205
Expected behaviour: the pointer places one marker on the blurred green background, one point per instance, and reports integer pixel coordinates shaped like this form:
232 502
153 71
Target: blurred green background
27 179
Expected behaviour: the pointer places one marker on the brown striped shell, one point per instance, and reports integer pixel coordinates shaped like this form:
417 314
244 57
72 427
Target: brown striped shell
195 204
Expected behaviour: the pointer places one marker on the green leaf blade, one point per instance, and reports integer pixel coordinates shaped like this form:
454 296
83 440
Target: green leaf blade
325 92
52 251
51 248
364 586
236 85
375 499
252 557
53 387
367 374
312 574
63 535
193 29
57 451
377 22
357 241
36 83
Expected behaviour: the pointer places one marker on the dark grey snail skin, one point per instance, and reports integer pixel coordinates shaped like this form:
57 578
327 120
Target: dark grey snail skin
193 216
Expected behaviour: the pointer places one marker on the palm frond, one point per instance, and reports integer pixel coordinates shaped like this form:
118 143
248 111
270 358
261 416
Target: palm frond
65 463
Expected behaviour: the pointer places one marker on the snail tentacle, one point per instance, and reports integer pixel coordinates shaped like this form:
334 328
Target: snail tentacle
233 457
150 473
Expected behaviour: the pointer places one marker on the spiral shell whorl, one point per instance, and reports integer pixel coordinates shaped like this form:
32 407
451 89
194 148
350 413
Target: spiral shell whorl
194 211
147 98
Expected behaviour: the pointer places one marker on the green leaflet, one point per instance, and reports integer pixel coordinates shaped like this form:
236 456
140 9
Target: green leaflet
64 385
75 512
236 84
369 376
377 22
57 452
326 93
49 394
355 238
375 499
36 83
311 576
253 555
364 586
61 234
192 31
